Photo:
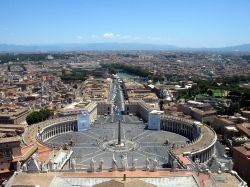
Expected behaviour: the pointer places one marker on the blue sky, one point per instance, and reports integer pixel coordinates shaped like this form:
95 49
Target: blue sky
185 23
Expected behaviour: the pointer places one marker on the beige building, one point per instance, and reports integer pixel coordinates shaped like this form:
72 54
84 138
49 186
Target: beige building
11 151
220 122
96 89
77 108
246 114
104 108
139 108
14 115
199 111
9 146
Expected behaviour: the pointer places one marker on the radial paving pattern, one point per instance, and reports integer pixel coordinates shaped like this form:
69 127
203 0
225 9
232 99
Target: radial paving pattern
98 143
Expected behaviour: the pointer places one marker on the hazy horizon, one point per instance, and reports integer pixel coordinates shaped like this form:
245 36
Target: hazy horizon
194 23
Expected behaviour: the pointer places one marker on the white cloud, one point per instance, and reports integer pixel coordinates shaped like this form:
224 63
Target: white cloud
130 38
109 35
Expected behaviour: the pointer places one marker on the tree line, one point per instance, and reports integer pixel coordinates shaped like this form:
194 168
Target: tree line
11 57
76 74
38 116
132 69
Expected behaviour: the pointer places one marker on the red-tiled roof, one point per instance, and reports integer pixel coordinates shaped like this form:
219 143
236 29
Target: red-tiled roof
4 167
184 159
44 152
244 149
244 129
26 152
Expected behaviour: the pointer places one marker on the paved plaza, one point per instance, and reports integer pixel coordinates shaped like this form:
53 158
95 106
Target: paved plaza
139 143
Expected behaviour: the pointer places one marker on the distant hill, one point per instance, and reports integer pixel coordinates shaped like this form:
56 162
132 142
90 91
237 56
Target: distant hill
113 46
240 48
84 47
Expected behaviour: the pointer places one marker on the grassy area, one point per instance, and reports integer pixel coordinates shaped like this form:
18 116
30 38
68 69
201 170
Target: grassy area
199 96
219 93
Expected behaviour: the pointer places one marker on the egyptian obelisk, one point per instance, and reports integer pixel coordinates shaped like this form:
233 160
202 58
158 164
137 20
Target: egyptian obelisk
119 133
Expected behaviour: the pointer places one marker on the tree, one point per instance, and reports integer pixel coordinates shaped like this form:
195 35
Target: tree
38 116
76 74
210 92
112 70
208 123
233 108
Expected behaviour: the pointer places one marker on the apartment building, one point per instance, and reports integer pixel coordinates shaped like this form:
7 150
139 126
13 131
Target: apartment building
241 159
13 115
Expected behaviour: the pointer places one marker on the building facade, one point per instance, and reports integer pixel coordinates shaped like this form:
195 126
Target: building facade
104 108
13 115
241 159
154 120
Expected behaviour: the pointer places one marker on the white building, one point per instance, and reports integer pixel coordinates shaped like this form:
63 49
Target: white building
83 121
154 120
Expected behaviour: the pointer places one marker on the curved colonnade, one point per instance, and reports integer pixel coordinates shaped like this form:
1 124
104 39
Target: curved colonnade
48 129
201 145
202 138
56 129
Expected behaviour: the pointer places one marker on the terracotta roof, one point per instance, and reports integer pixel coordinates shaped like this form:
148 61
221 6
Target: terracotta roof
184 159
243 150
244 129
4 167
26 152
247 146
225 120
202 112
44 152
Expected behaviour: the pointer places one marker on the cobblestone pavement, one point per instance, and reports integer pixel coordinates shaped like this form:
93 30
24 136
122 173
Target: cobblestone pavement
144 143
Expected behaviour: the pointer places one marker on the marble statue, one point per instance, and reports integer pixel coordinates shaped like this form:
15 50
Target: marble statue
114 163
147 163
214 164
155 164
174 165
24 167
230 165
73 164
101 164
92 165
222 167
43 167
18 166
134 164
197 164
50 165
123 162
203 167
